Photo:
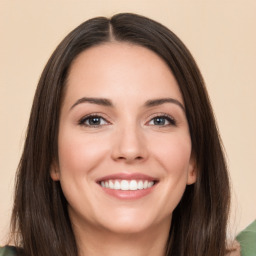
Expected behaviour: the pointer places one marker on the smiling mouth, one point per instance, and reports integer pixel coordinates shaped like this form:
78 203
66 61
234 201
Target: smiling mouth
126 185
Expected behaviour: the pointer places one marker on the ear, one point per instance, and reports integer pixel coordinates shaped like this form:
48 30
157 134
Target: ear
55 172
192 172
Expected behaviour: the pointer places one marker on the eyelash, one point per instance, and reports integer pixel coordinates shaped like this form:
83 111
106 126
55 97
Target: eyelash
82 122
170 119
84 119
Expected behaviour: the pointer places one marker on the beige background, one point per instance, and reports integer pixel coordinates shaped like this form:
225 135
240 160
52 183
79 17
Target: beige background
221 35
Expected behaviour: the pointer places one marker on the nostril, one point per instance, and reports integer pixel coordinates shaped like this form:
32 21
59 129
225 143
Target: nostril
121 157
130 158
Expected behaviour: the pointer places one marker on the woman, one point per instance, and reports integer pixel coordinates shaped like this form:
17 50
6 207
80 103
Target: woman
122 155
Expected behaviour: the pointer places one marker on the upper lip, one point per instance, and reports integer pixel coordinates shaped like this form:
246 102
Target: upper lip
127 176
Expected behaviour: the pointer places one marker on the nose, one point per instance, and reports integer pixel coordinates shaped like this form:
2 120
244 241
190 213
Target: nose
129 145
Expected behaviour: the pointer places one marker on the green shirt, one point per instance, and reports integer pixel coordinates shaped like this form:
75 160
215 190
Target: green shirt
8 251
247 240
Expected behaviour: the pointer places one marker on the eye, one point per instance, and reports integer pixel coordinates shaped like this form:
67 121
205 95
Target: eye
93 121
163 120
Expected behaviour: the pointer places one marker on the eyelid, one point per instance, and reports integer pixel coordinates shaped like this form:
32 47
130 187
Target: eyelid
172 120
82 120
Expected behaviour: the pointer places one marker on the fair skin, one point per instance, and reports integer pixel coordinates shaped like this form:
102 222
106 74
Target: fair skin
123 116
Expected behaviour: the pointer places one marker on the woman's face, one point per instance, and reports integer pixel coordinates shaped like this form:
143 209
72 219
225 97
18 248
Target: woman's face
124 144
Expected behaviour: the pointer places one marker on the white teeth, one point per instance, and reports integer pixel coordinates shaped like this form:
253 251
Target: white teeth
150 184
117 185
124 185
111 184
145 184
127 184
133 185
140 184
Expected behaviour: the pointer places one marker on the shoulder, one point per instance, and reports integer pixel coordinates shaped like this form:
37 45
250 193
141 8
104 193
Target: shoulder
233 249
247 240
8 251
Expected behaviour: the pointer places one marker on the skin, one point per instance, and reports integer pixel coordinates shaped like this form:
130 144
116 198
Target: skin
127 139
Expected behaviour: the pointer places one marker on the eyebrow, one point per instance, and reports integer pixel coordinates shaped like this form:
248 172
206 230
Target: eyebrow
108 103
97 101
157 102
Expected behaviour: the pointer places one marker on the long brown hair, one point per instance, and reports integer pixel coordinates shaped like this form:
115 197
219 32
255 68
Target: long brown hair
40 222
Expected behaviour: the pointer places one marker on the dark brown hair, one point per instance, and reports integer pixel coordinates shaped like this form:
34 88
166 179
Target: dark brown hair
40 222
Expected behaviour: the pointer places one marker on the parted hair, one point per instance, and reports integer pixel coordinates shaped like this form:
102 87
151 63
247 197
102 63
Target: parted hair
40 222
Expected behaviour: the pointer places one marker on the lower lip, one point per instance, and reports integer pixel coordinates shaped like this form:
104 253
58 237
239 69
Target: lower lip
128 194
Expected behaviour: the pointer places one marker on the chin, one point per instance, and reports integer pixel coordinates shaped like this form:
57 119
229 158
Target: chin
128 228
129 222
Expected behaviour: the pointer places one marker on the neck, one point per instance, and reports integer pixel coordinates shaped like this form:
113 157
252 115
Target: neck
97 242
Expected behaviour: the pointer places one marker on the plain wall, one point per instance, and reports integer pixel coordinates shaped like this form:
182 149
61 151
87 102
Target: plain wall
220 34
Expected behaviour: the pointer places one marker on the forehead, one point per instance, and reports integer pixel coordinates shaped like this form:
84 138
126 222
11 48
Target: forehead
121 67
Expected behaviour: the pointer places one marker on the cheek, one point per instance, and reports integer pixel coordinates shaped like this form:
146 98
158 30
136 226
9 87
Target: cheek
171 153
79 153
174 153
